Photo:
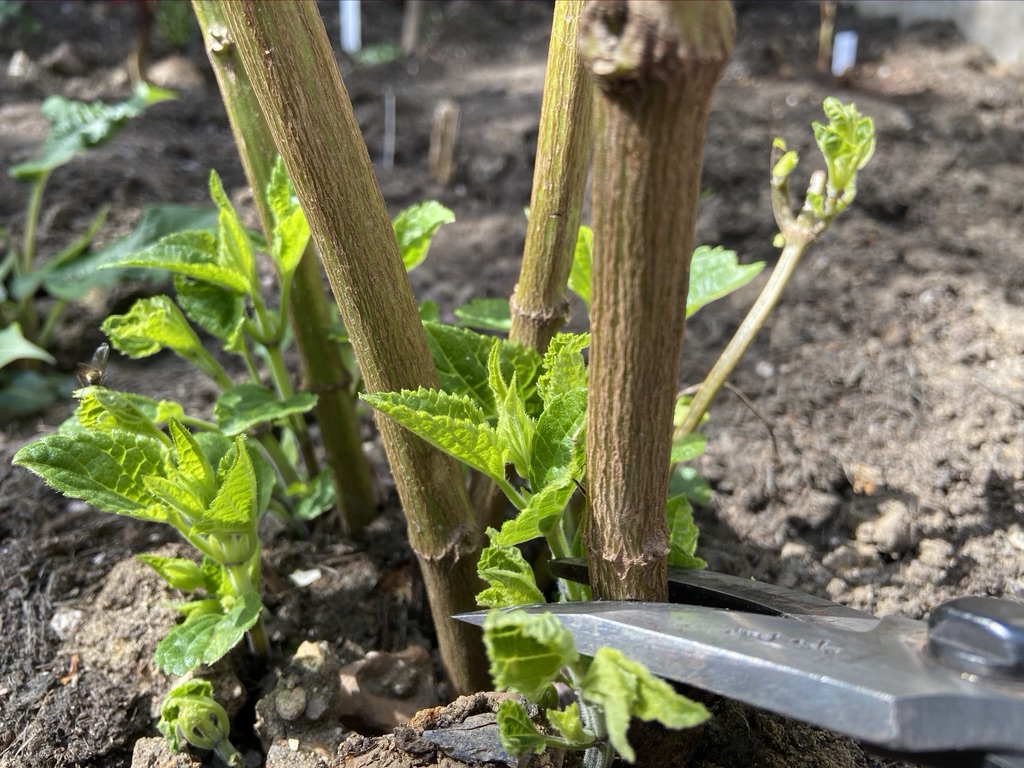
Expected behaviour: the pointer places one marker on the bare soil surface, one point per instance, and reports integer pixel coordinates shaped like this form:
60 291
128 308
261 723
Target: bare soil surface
882 465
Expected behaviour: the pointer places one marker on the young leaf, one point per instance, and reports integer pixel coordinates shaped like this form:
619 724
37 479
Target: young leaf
461 356
527 650
191 463
291 232
205 638
682 532
14 346
244 406
234 508
579 274
557 439
154 323
104 469
847 143
190 713
567 722
217 310
509 575
453 423
149 326
415 228
234 248
76 126
564 368
625 689
714 273
191 254
519 736
178 572
485 315
515 427
539 517
104 409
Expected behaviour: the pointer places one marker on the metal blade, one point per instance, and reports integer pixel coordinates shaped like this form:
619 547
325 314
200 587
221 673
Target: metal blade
718 590
874 685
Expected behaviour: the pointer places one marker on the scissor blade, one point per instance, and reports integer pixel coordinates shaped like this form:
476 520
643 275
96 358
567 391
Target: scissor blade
876 685
718 590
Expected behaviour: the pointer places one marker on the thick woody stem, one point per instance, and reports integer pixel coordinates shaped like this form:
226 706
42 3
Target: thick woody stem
325 371
287 56
655 65
539 307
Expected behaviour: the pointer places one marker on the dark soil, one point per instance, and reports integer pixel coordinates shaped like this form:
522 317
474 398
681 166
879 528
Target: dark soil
882 465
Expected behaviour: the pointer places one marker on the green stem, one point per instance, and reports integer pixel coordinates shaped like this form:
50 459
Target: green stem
243 579
799 232
745 334
280 461
29 313
50 322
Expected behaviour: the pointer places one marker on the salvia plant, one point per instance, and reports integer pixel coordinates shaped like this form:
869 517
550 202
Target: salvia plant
209 480
502 405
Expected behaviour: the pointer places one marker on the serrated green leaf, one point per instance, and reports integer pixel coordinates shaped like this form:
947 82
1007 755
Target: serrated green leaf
485 315
14 346
177 498
519 736
556 439
150 325
104 469
539 517
234 248
203 639
217 310
579 274
415 228
510 577
460 356
192 254
682 533
105 409
527 651
178 572
515 428
688 447
76 126
290 230
564 367
235 507
623 689
567 722
247 405
192 466
714 273
453 423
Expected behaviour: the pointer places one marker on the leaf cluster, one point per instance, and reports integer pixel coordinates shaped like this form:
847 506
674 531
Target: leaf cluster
530 652
114 454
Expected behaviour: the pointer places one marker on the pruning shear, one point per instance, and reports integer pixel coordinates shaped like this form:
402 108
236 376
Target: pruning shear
949 690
